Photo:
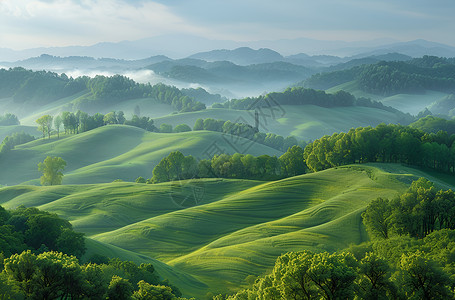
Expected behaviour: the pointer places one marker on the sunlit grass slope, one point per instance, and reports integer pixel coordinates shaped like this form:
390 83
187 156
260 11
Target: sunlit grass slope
147 107
115 152
307 122
243 233
231 228
408 103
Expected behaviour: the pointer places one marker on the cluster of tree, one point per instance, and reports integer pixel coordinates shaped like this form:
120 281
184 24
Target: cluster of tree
308 275
384 143
39 259
17 138
32 229
55 275
9 119
418 212
176 166
248 132
434 124
409 256
110 90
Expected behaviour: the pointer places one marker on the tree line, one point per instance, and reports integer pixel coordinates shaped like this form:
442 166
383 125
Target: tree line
409 256
176 166
74 123
306 96
384 143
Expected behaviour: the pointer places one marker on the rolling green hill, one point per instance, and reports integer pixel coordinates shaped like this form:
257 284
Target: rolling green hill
216 232
409 103
307 122
114 152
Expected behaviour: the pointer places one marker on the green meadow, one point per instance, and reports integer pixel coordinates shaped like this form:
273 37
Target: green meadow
408 103
307 122
211 234
116 152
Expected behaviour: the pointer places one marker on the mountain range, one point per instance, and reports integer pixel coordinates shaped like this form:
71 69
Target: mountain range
179 46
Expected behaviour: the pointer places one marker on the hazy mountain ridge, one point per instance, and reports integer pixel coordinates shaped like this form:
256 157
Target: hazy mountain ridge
171 45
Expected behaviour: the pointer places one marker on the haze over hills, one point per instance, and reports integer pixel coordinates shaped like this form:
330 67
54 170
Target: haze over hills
227 150
180 46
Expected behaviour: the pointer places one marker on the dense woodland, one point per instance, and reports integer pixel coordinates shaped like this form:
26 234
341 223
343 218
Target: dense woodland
394 77
40 259
39 88
384 143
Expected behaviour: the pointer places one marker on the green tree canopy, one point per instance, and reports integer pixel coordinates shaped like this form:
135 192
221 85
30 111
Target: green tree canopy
52 168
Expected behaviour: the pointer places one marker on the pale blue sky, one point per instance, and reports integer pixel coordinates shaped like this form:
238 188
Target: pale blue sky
34 23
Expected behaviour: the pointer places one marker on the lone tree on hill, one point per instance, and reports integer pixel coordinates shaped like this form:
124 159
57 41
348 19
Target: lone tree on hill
52 168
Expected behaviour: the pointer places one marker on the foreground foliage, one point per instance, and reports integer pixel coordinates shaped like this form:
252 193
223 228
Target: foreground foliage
54 275
384 143
407 257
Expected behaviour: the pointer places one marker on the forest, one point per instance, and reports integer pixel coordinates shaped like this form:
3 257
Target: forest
394 77
43 87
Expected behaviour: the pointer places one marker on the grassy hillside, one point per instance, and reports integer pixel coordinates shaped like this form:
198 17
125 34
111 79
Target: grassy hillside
114 152
408 103
307 122
227 229
147 107
9 130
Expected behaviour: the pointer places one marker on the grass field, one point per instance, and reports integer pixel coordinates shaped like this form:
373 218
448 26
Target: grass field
408 103
115 152
229 229
307 122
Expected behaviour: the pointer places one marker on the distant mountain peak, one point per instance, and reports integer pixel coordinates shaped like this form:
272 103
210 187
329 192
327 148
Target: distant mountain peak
241 55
